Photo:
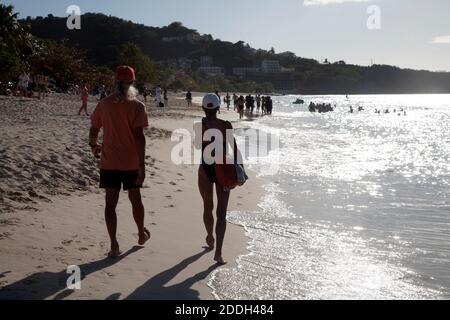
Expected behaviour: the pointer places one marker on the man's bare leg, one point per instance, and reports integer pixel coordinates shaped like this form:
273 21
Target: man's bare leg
139 215
112 198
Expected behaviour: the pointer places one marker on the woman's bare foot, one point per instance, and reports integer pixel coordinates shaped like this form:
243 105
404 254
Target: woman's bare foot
210 241
145 237
220 260
115 251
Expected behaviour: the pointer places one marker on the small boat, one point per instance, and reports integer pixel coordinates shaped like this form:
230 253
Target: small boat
299 101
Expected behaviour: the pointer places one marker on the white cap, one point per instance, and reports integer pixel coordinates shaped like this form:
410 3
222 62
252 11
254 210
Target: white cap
211 98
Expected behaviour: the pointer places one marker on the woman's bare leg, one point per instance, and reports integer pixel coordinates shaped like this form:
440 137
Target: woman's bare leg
221 226
206 191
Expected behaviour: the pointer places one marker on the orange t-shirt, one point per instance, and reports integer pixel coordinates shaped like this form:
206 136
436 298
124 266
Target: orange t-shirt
118 119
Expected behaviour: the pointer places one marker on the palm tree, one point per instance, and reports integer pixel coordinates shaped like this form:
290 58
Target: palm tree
12 32
15 43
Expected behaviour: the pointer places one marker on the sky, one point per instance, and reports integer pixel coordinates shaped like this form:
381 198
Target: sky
406 33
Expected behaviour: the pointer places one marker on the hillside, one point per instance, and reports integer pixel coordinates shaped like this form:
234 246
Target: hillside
101 37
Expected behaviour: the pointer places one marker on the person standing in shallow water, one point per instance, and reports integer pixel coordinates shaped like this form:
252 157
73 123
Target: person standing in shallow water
207 178
123 119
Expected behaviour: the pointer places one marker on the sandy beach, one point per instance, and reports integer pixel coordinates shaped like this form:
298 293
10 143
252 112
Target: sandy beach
51 211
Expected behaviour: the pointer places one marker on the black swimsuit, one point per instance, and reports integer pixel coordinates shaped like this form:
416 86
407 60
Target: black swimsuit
209 169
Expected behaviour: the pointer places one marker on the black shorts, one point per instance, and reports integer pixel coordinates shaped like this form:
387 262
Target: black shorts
114 179
210 172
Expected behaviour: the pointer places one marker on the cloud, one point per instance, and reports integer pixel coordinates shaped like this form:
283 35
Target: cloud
441 39
325 2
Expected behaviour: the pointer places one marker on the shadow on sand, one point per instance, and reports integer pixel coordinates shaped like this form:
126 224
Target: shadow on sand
43 285
155 289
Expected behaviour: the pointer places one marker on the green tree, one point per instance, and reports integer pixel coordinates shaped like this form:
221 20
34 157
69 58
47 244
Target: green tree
56 59
131 55
15 44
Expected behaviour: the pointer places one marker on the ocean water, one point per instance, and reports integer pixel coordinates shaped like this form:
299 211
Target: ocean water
360 206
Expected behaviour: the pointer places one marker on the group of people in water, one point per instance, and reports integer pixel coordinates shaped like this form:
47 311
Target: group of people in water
387 111
243 105
246 105
320 107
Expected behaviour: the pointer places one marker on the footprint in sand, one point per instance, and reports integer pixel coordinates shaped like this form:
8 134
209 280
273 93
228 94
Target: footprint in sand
172 183
66 242
83 249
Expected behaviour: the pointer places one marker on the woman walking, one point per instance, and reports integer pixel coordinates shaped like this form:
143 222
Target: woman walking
207 176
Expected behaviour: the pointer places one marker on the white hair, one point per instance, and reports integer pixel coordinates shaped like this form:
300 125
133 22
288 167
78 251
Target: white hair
130 94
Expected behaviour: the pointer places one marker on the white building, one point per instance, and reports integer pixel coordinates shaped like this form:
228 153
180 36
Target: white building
212 71
206 61
271 66
242 72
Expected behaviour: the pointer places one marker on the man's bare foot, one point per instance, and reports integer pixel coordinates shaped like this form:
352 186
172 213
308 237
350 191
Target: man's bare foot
210 241
115 251
145 237
220 260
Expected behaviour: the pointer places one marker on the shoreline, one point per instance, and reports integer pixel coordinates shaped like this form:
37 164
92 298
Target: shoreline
39 243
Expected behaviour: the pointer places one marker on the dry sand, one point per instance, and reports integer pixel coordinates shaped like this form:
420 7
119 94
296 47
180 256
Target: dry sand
51 212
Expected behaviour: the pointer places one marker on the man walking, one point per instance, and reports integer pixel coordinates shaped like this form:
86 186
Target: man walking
123 119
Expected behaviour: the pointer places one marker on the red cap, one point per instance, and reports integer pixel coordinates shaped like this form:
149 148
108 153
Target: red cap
125 73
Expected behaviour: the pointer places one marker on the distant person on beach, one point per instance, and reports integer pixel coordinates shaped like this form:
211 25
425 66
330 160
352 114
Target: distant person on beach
258 102
158 92
220 101
123 119
218 95
84 93
264 105
228 101
235 99
189 98
145 94
102 92
207 176
240 106
269 105
166 98
252 104
42 84
24 81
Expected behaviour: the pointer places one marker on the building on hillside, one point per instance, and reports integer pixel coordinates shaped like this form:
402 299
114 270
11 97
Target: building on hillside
270 66
242 72
206 61
212 71
184 65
